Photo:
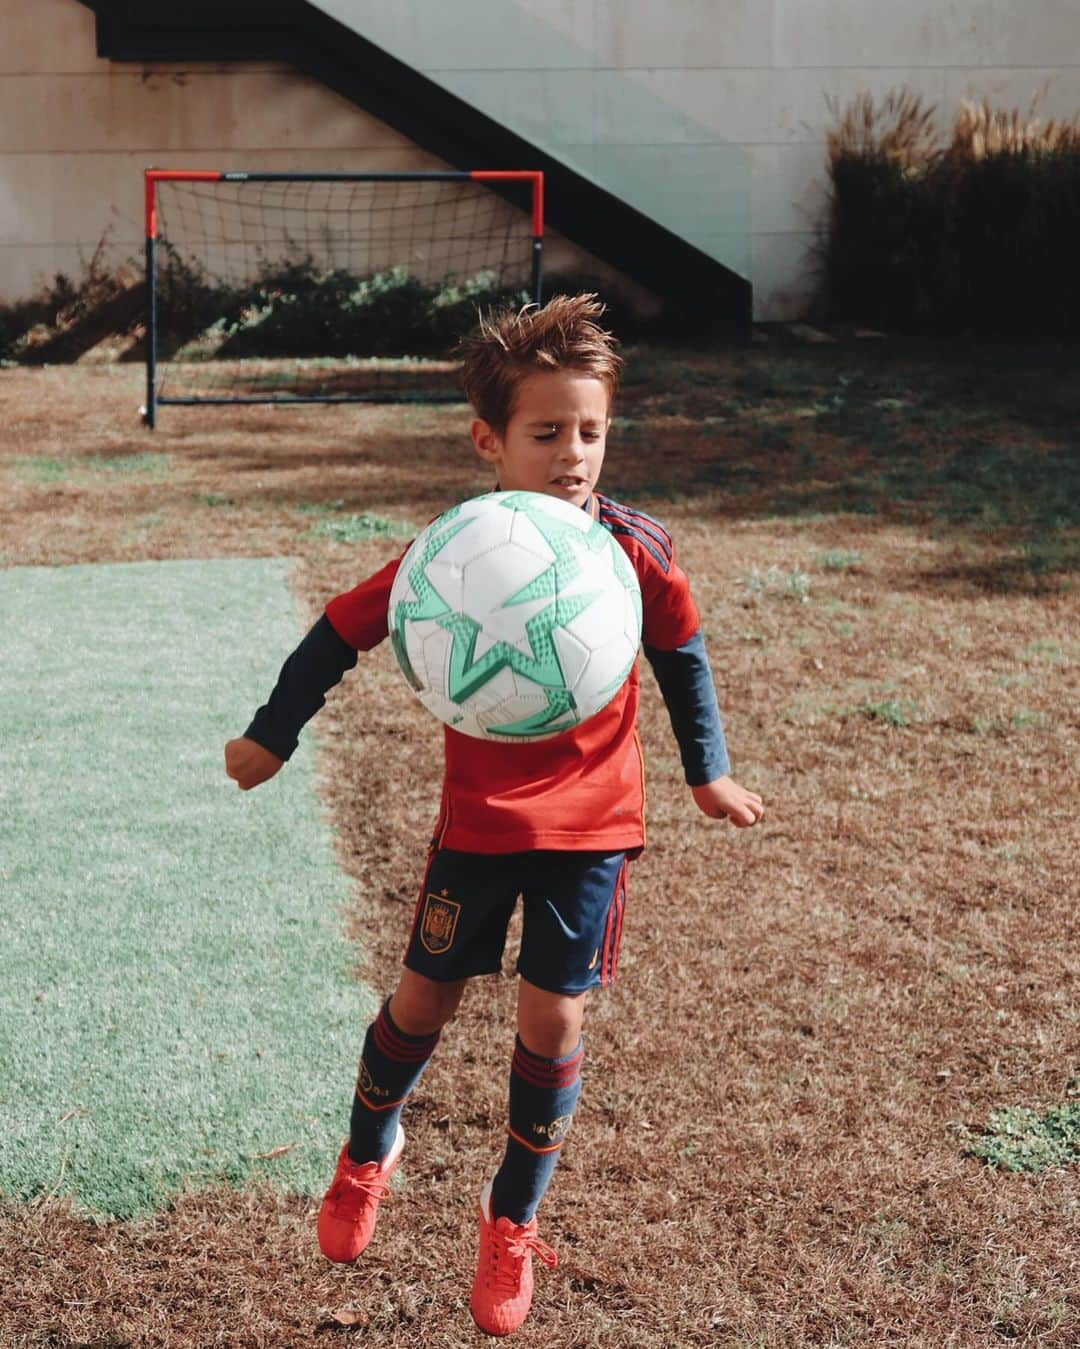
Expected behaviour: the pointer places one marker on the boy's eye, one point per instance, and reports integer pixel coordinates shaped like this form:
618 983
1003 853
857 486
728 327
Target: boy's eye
546 435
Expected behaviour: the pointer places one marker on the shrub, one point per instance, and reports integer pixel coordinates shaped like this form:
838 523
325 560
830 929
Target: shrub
290 308
976 233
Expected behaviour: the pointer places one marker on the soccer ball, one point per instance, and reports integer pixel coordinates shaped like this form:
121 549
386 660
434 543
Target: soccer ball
515 616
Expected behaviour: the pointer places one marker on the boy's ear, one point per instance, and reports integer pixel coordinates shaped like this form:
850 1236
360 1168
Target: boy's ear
486 440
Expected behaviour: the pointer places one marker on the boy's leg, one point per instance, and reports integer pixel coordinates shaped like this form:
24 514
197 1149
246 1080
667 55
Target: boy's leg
459 928
574 905
458 931
395 1054
545 1083
397 1047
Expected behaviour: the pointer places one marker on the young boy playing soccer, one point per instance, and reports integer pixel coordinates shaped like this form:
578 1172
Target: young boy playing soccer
554 821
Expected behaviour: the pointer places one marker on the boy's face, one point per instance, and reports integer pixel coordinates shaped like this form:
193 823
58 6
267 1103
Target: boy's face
555 438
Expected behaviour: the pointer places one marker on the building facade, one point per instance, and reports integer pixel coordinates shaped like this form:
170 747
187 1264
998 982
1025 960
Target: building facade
708 116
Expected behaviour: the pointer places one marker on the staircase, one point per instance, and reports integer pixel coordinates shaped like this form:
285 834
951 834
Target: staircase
627 178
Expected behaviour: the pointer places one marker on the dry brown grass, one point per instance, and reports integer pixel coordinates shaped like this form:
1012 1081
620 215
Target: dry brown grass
898 129
980 130
901 130
769 1149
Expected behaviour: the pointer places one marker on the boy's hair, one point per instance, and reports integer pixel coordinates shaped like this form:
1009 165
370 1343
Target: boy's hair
511 344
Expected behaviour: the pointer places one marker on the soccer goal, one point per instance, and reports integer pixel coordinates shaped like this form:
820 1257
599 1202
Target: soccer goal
328 287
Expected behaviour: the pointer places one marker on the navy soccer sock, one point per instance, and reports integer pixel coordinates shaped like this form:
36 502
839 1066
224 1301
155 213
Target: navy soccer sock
390 1067
543 1094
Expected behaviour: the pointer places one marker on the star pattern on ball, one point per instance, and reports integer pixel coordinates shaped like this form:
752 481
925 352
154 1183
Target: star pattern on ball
468 672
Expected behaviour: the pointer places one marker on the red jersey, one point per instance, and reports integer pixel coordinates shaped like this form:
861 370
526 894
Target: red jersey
583 789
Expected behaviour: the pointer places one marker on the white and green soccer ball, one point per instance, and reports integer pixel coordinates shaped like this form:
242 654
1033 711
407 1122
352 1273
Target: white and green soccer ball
515 616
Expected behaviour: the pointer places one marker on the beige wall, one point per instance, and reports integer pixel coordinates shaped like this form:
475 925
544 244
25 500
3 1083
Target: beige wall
76 134
644 86
689 77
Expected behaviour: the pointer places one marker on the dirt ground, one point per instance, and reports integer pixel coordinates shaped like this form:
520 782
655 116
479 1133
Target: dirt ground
814 1019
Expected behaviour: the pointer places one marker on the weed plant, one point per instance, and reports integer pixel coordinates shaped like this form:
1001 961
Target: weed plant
1019 1139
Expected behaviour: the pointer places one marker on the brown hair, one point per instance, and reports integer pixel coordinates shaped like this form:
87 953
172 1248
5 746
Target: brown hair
511 344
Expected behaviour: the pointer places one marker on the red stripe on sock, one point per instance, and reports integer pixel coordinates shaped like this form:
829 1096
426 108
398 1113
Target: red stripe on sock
546 1083
399 1047
546 1073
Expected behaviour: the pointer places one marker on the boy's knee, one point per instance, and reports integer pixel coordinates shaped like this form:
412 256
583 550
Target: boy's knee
549 1024
421 1006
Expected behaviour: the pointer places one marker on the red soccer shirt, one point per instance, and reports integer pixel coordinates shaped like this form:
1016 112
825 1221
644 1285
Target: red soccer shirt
583 789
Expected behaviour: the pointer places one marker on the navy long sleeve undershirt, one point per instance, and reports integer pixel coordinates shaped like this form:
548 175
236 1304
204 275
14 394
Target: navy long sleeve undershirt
689 694
322 658
317 664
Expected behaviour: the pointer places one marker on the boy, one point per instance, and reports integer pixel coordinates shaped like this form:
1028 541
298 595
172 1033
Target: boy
554 821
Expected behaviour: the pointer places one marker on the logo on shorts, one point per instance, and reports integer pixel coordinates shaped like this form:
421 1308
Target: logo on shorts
438 924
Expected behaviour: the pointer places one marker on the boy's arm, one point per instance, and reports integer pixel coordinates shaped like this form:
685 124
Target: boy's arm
686 684
675 648
313 669
353 621
317 664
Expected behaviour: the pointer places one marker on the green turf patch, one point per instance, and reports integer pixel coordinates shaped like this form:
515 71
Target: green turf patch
1019 1139
175 999
111 465
358 528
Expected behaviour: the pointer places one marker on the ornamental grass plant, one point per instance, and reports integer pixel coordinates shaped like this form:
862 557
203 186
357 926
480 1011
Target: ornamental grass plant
970 232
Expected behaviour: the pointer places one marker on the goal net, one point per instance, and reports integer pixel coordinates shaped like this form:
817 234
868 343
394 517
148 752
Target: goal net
331 287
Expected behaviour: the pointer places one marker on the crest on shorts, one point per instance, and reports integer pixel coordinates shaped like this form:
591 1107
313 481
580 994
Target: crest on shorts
438 923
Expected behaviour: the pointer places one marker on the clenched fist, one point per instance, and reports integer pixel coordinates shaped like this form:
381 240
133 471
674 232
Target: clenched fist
248 764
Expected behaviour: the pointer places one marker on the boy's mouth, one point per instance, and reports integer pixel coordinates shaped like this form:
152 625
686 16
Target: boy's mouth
569 480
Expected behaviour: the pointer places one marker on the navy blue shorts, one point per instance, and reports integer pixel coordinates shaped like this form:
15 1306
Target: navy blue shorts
573 905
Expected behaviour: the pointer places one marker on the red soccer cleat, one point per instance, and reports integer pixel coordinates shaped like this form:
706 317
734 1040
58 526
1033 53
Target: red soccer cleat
503 1287
351 1204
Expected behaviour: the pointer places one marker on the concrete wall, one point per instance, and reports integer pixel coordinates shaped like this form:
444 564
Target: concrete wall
711 114
76 134
708 113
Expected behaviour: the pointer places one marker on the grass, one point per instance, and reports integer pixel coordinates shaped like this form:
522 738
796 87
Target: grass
814 1021
1019 1139
839 559
45 469
777 584
359 528
889 711
134 1063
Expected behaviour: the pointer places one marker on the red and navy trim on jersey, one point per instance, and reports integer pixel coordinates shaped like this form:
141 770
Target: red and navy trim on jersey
650 533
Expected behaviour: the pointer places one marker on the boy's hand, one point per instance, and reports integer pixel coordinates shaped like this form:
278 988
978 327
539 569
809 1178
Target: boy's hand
726 797
248 764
